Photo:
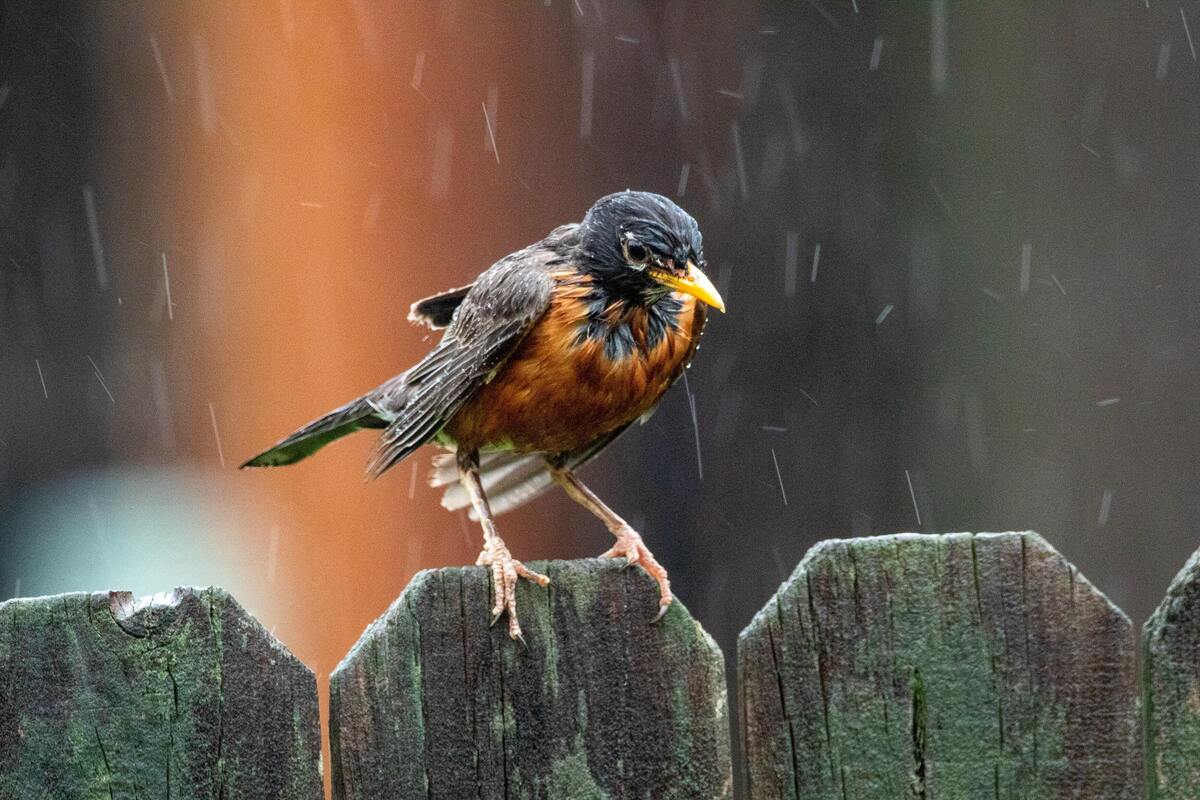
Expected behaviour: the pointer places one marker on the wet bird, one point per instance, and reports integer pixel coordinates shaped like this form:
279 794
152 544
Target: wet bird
546 358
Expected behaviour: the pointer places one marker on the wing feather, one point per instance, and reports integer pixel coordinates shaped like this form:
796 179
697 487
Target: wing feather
494 316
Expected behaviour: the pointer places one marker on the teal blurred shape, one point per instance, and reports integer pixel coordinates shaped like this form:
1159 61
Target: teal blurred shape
141 530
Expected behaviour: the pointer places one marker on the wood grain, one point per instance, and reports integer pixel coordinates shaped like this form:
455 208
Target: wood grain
432 702
956 666
180 695
1171 689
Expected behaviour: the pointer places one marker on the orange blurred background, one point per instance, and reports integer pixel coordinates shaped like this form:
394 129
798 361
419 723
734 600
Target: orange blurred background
294 179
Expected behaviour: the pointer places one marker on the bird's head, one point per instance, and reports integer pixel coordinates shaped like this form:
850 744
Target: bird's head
642 246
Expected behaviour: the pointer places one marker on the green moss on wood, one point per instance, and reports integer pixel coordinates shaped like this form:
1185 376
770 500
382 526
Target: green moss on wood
937 667
105 697
1171 689
570 776
600 704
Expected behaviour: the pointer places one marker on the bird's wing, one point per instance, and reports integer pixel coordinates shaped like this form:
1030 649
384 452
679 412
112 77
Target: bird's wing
493 317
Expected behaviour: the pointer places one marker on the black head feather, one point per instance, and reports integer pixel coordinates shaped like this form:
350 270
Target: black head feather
629 224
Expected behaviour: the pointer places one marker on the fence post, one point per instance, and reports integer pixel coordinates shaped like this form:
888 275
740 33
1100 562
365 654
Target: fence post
939 666
431 702
179 695
1171 689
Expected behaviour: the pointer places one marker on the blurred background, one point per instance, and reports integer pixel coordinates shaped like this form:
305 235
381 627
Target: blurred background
958 244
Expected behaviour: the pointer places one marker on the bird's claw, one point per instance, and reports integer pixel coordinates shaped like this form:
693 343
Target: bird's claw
505 572
630 546
631 555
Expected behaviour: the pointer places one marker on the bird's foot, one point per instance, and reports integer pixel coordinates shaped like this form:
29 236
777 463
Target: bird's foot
505 571
630 545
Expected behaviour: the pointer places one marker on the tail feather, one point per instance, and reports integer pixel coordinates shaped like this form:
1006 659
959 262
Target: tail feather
501 477
445 465
312 437
509 479
532 482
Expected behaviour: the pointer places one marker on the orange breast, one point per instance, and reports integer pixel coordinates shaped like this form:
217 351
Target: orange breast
560 391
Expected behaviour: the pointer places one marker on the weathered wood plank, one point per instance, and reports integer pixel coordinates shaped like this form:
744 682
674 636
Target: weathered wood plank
432 702
957 666
180 695
1171 689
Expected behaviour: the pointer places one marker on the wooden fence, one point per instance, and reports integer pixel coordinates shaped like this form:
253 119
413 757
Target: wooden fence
911 666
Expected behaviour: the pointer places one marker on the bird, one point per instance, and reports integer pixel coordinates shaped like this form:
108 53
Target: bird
545 359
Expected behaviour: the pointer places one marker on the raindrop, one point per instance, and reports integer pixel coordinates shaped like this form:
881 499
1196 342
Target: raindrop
162 69
93 220
212 414
1105 508
779 476
1164 58
876 52
937 46
42 378
684 171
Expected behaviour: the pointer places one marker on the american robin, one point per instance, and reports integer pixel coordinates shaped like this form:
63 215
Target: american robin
546 358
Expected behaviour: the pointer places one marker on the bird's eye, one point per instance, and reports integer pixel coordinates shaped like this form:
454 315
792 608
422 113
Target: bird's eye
635 251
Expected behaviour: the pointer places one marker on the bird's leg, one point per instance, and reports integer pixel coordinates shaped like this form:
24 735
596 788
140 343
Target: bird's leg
629 542
505 568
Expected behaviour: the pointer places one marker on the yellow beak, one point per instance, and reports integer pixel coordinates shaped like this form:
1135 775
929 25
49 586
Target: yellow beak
695 283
